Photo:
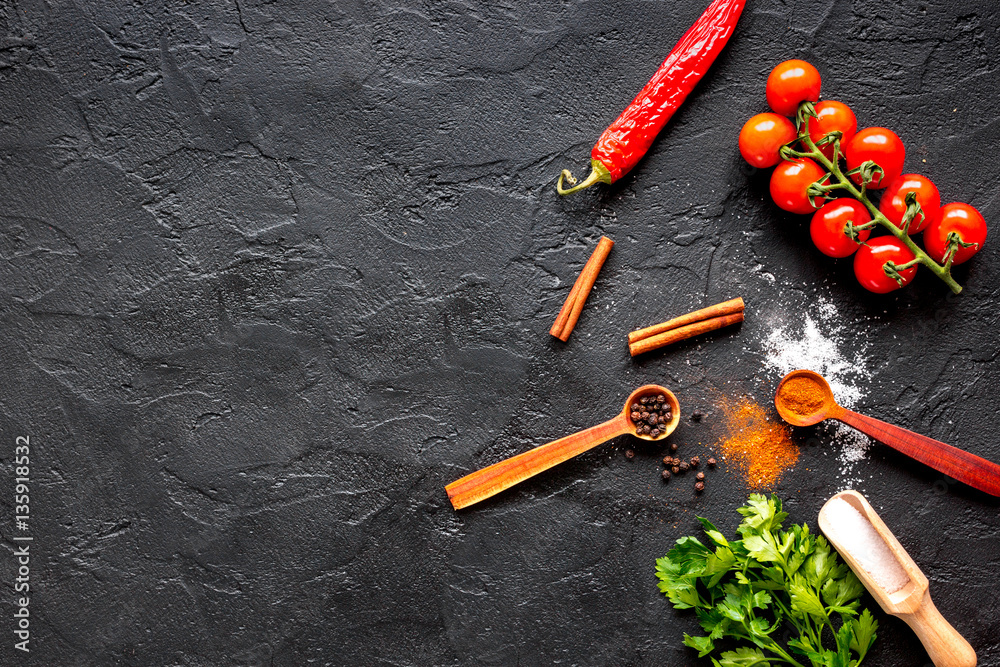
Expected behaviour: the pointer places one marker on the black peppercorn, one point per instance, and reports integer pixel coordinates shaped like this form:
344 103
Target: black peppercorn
636 407
655 432
661 398
700 477
696 416
673 446
675 470
699 486
695 461
684 465
629 454
665 475
711 462
644 400
638 430
667 461
635 416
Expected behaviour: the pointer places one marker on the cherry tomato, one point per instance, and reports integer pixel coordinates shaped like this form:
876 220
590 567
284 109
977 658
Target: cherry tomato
789 83
893 204
789 182
827 226
870 261
880 145
831 116
762 136
963 219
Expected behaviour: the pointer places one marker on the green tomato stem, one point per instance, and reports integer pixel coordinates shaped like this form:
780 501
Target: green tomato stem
845 183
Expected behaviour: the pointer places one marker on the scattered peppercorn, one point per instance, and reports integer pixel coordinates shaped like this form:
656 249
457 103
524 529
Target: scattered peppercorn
699 486
695 461
665 475
673 446
700 477
684 466
675 470
629 454
668 461
696 416
711 462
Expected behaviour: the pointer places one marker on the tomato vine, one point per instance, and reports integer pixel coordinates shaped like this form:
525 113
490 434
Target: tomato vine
868 172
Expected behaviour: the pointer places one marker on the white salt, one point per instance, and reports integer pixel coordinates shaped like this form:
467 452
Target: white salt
834 347
854 533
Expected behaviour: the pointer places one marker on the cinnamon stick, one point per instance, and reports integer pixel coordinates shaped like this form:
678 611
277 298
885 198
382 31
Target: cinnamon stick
725 308
570 312
683 333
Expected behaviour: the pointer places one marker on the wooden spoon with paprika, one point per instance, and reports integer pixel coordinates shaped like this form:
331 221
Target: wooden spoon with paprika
804 398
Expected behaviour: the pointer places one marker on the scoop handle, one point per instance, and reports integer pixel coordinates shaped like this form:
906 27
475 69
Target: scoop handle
944 645
493 479
968 468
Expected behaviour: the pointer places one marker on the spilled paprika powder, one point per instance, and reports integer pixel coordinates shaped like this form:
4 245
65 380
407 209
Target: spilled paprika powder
759 448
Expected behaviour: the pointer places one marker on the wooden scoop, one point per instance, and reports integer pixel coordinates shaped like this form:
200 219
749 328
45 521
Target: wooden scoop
492 480
973 470
912 603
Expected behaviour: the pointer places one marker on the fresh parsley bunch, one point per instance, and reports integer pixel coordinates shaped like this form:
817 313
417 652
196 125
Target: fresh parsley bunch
751 588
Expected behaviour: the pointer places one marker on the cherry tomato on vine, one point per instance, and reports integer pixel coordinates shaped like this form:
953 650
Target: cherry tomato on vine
962 219
893 204
790 83
789 182
880 145
870 261
762 136
832 116
827 226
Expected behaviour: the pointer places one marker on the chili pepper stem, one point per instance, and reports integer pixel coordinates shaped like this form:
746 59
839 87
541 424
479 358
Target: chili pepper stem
598 174
920 257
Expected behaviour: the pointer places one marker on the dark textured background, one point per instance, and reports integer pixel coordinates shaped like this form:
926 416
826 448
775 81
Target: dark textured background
274 274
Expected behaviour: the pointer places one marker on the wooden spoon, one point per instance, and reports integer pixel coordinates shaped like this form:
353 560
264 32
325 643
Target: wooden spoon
492 480
912 603
973 470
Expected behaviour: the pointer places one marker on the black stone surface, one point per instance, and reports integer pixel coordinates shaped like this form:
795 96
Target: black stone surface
274 274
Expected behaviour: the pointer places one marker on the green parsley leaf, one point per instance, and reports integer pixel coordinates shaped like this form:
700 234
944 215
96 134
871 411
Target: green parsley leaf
863 633
713 533
744 657
804 599
771 577
703 645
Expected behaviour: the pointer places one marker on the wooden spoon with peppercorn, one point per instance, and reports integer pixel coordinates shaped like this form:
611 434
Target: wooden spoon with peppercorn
804 398
652 413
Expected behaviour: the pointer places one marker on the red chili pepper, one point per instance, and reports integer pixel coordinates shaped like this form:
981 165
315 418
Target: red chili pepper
627 139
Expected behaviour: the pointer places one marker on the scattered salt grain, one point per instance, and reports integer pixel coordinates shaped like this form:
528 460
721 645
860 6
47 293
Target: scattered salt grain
824 343
854 533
